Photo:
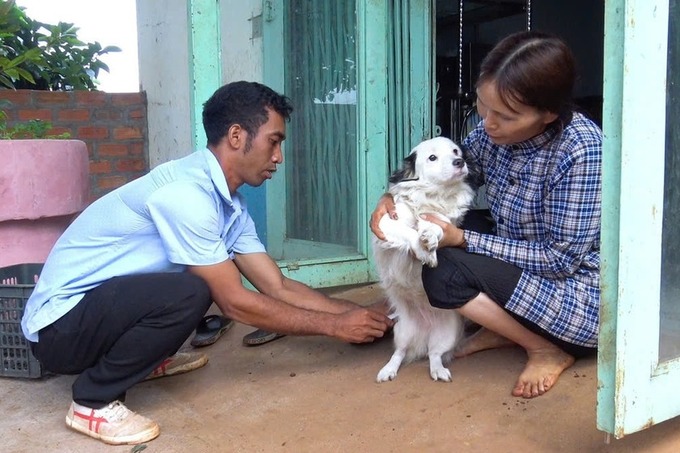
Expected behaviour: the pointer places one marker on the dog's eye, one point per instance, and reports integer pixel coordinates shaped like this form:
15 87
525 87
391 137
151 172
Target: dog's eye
432 158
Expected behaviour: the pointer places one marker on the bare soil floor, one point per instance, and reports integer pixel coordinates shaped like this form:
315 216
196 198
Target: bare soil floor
314 394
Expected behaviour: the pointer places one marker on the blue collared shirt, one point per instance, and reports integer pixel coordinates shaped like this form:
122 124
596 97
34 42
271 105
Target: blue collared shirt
179 214
545 197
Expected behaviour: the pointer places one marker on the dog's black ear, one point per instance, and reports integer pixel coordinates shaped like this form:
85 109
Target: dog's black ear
475 176
407 171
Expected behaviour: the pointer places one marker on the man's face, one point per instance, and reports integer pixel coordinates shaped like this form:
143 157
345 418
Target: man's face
262 152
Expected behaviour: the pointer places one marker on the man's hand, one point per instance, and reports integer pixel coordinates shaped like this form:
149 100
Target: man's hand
381 306
361 325
453 236
385 206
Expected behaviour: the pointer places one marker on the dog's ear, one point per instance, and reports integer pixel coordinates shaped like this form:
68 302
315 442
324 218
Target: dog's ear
407 171
475 176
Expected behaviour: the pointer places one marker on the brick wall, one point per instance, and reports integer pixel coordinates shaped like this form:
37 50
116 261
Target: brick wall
113 125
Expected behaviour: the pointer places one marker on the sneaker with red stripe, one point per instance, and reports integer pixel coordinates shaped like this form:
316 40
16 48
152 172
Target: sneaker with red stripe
114 424
182 362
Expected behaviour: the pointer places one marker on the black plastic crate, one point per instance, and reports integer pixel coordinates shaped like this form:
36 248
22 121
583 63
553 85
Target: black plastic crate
16 285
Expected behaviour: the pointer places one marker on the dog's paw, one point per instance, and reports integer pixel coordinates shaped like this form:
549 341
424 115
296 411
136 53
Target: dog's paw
440 374
426 251
429 240
427 258
386 374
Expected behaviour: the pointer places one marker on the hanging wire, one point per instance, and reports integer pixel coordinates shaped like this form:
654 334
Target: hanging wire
456 104
460 48
528 15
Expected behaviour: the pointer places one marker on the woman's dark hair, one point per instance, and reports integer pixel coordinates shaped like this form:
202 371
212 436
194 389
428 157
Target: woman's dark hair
242 103
533 68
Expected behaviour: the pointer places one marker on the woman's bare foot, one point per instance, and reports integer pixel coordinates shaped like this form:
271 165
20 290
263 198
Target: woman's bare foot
481 340
542 371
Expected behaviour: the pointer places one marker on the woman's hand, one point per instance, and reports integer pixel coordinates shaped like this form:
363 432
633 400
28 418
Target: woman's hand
385 206
453 236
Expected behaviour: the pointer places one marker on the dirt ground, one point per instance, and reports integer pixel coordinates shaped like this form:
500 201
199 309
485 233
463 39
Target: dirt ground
314 394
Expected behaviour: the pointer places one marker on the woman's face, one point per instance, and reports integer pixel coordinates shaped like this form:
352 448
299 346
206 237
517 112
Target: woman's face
507 126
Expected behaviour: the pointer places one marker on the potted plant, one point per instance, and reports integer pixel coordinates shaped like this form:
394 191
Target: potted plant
44 182
44 179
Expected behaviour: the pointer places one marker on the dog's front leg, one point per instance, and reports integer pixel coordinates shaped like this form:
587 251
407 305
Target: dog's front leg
389 371
438 371
429 235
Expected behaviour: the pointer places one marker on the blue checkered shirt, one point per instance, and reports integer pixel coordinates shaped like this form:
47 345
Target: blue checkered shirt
544 195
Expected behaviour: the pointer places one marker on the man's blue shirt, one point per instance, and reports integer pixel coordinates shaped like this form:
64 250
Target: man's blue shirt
179 214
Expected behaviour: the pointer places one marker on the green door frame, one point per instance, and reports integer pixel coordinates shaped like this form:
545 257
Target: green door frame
204 66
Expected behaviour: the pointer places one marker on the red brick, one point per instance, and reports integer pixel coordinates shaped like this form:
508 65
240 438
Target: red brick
106 114
74 115
35 114
112 149
137 114
126 133
17 97
110 182
91 98
125 165
61 130
100 167
53 97
127 98
92 132
136 148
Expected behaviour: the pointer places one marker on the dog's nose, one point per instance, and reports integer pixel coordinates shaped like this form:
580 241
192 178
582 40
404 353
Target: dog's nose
458 163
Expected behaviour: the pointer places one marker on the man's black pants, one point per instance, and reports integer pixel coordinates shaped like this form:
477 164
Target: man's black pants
121 331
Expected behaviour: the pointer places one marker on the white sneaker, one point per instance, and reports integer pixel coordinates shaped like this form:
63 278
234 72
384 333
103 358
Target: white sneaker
114 424
182 362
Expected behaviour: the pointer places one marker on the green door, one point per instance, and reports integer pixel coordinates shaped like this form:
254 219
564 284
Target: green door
639 351
332 59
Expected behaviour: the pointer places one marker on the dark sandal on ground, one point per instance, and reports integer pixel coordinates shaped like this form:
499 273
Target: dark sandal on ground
260 336
210 329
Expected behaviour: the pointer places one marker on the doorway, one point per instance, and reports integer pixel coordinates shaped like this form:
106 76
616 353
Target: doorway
460 50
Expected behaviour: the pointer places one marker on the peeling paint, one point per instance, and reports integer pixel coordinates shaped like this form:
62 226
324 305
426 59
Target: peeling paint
649 423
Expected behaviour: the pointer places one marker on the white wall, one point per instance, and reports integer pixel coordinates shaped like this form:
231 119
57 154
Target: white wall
164 75
164 56
242 52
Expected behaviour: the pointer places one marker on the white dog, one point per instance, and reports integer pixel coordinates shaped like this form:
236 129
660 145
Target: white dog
432 180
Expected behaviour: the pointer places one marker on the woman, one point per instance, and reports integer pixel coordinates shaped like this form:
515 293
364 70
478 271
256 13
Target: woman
534 280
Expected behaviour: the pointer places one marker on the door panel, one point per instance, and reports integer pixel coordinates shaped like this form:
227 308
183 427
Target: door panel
321 175
669 340
317 54
638 364
331 59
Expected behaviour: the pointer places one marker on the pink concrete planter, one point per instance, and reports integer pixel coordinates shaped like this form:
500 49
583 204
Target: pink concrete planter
43 185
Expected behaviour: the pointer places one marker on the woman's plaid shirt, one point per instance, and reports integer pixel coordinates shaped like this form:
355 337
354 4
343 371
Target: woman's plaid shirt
545 197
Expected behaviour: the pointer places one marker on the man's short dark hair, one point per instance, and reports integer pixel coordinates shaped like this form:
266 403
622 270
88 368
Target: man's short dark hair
243 103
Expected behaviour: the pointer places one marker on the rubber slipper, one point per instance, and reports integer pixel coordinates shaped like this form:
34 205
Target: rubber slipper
260 336
210 329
